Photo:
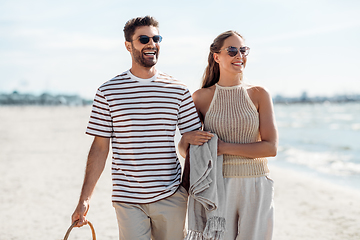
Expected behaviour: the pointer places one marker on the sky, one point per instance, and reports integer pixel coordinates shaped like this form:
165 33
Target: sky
73 46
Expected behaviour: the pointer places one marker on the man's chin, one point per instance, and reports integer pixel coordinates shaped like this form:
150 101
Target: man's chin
149 64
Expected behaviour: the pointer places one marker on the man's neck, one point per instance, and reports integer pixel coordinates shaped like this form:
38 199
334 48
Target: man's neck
142 72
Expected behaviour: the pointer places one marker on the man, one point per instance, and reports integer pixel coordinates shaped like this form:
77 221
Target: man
139 110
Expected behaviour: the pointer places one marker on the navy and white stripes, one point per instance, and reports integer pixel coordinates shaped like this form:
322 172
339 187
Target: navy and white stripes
141 118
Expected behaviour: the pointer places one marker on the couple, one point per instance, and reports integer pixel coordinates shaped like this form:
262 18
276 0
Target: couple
139 111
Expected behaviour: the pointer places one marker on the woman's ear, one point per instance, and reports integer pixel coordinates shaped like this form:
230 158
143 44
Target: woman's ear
216 57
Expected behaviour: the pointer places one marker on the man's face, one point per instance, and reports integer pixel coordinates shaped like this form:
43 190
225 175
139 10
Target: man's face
146 55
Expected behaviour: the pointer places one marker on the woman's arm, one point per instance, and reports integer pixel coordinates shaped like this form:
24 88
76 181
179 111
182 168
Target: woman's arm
267 147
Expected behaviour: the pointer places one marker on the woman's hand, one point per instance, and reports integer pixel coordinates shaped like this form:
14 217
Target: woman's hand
197 137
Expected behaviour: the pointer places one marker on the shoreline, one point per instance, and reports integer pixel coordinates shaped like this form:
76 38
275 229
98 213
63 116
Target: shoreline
343 181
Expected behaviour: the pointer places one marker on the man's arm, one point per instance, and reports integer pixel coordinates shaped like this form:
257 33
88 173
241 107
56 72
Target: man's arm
95 165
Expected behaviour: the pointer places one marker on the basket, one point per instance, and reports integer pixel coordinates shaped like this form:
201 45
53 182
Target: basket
72 226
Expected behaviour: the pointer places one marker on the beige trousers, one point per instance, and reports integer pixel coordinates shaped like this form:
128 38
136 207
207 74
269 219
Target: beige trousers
161 220
249 208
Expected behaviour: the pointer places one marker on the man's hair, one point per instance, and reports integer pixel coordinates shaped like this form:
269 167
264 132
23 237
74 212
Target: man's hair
132 24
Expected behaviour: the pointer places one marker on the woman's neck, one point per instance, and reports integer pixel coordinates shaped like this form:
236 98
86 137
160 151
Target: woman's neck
226 80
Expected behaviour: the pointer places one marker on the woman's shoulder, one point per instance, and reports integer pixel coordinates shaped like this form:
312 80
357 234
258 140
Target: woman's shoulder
258 94
257 91
204 92
203 96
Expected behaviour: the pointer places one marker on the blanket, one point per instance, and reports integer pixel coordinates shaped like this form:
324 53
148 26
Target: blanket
206 207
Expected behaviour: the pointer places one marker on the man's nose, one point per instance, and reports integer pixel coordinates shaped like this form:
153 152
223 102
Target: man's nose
151 42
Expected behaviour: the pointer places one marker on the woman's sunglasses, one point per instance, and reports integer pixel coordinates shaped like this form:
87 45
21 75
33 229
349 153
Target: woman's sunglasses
233 51
145 39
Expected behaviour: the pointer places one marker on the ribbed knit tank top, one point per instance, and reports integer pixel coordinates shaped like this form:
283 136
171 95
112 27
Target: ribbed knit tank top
234 118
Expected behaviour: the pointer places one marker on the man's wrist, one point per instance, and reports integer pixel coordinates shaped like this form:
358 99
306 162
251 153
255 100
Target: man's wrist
84 200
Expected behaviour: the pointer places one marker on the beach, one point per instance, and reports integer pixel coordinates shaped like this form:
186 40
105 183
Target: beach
43 154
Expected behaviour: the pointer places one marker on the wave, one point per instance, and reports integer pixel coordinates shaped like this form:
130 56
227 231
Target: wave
329 162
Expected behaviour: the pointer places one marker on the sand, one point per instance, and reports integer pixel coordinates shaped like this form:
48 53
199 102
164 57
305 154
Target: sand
42 159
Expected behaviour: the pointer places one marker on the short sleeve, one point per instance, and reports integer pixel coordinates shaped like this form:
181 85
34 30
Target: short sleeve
100 123
188 119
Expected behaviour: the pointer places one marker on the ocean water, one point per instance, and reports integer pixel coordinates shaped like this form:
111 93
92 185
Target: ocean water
320 139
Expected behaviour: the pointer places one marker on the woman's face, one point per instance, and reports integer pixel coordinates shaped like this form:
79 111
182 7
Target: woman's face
228 64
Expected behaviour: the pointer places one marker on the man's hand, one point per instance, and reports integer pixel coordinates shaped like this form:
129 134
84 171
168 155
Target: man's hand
80 214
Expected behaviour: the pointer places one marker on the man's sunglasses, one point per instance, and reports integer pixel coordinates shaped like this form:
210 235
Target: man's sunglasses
233 51
145 39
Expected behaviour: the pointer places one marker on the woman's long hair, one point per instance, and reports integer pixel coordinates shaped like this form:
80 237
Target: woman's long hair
212 71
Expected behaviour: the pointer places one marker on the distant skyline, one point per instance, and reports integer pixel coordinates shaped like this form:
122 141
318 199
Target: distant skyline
72 47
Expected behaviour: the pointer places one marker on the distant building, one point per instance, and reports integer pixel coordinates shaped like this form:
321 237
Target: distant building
304 98
16 98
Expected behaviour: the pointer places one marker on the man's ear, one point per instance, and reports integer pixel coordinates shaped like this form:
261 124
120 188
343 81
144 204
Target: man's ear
128 46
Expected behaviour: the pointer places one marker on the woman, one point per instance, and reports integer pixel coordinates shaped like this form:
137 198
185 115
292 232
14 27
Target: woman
242 117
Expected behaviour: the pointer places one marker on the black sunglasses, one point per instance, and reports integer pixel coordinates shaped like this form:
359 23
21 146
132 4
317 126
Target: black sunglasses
145 39
233 51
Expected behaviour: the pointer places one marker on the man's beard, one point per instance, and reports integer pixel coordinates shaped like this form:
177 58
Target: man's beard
138 56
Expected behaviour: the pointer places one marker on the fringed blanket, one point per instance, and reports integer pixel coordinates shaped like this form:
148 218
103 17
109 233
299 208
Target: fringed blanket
206 209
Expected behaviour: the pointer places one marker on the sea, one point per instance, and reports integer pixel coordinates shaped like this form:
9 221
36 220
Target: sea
321 139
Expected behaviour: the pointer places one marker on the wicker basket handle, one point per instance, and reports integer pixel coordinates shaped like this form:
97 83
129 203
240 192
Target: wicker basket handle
73 225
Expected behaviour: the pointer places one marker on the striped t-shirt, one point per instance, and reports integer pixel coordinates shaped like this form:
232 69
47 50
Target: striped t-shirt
140 116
